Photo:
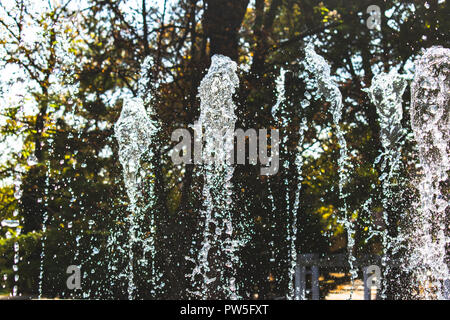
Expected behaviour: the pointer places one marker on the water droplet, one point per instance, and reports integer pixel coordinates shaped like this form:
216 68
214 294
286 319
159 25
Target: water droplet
10 223
305 103
32 160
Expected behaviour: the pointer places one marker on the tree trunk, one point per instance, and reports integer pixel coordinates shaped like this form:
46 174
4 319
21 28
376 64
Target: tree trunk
223 19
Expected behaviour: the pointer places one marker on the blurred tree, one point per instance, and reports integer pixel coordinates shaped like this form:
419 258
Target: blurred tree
76 65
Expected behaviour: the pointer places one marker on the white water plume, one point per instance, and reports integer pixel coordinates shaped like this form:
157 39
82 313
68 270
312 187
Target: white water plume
430 121
217 121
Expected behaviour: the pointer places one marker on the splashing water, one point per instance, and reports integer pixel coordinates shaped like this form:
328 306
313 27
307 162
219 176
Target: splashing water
14 224
430 121
299 165
281 92
281 119
386 93
327 87
278 114
217 118
16 262
134 132
45 217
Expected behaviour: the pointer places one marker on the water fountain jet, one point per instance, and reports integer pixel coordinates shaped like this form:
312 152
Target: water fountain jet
217 118
386 94
430 121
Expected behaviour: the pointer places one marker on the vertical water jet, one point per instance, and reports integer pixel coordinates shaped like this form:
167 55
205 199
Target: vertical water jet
217 120
327 87
430 121
134 132
386 94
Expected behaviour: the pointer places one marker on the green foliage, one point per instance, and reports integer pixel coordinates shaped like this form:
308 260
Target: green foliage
83 61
